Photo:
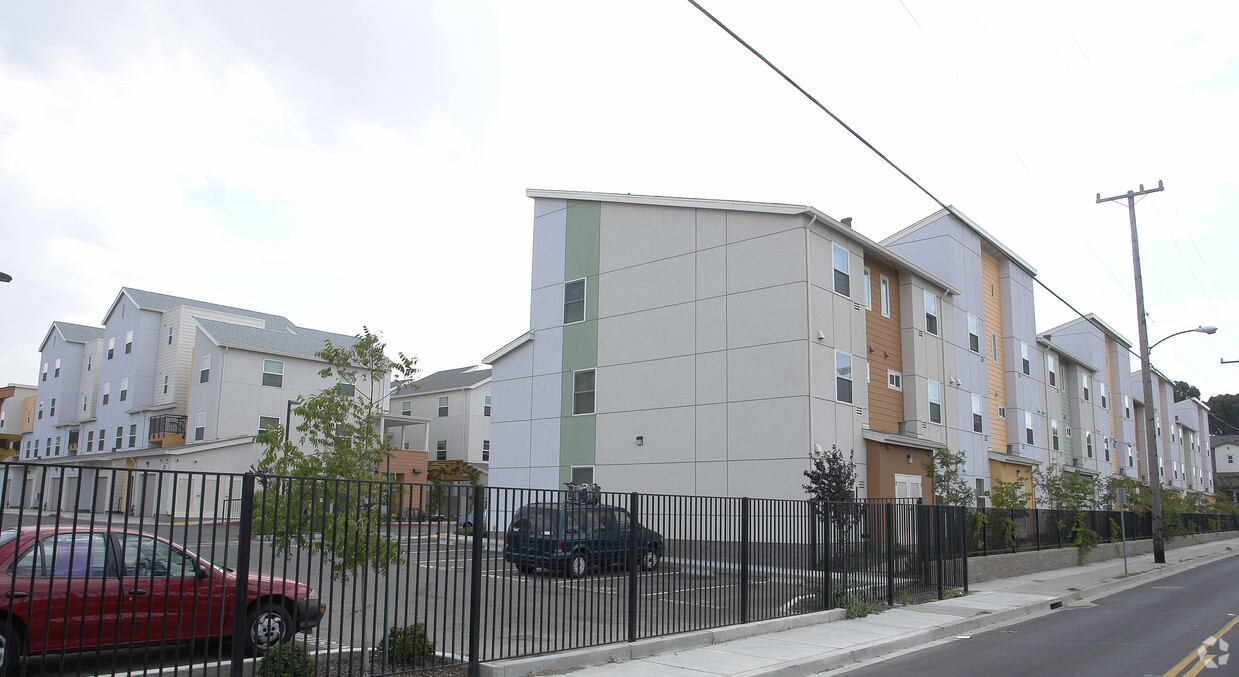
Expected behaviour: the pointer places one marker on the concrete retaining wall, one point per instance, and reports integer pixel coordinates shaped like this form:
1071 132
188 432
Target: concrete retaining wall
981 569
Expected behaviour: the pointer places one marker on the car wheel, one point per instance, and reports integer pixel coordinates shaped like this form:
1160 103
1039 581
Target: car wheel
650 559
270 624
577 565
10 649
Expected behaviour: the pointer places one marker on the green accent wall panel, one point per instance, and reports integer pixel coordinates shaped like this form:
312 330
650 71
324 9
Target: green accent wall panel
578 434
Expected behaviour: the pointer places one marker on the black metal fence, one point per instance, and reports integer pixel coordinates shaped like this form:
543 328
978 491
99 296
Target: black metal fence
1006 530
124 570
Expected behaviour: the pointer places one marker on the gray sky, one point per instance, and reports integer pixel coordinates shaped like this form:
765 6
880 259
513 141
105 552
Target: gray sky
348 164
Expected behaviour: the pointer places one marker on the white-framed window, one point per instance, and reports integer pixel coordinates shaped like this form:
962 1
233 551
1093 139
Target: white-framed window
843 376
89 362
1126 406
273 373
57 451
583 391
1105 394
406 408
1105 444
204 369
1028 428
868 290
574 301
486 406
1084 387
931 313
169 334
129 342
974 334
43 376
107 392
90 441
443 405
978 421
1025 363
56 370
884 295
1002 413
199 426
120 437
1051 370
894 380
935 402
843 277
2 418
124 389
1088 442
485 450
165 384
266 423
133 435
1054 434
582 474
1131 457
111 347
993 342
52 410
346 388
441 450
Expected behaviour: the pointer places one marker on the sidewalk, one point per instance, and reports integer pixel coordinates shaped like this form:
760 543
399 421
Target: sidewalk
806 645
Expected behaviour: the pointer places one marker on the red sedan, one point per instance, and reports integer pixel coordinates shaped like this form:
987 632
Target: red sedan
74 588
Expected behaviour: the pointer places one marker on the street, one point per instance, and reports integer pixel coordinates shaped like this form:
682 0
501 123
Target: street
1153 629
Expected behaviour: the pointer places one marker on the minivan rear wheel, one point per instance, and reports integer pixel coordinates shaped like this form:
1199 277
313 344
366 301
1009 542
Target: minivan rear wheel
576 565
650 559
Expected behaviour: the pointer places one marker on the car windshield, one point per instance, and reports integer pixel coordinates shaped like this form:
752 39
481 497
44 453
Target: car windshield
8 535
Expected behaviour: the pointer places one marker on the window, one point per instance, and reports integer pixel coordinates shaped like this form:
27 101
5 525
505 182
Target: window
169 334
485 450
978 423
974 334
582 474
1131 458
204 369
583 386
199 426
57 452
884 289
1084 386
89 362
1051 370
406 408
52 409
267 422
1126 407
36 448
129 342
273 373
868 291
1028 429
441 450
107 392
85 401
1105 396
1054 435
2 418
931 313
843 377
90 440
124 389
1230 458
843 280
133 435
1088 443
120 436
165 385
574 301
56 374
346 388
935 402
1002 413
65 556
111 347
1105 443
486 407
40 408
44 376
894 380
993 341
1024 362
443 406
147 558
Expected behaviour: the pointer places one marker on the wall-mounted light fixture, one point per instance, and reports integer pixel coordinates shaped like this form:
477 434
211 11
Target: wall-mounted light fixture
640 440
909 459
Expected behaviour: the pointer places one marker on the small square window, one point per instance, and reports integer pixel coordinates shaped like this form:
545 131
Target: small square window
267 422
894 380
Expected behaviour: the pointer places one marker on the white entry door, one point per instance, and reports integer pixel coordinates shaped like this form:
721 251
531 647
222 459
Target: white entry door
907 486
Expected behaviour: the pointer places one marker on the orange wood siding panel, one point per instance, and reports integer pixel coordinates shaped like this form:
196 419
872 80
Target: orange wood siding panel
1114 430
995 372
884 351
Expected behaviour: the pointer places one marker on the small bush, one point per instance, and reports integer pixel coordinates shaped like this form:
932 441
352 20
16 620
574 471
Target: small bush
286 660
408 645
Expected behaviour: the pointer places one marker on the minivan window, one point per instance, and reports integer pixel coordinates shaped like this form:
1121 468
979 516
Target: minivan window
536 521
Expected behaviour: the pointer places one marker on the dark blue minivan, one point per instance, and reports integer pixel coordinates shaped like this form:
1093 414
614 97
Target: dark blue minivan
572 538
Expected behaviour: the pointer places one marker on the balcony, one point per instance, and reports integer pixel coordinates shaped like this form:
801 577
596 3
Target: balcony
71 446
166 430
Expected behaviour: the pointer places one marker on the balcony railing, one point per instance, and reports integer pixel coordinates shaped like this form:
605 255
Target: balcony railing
165 426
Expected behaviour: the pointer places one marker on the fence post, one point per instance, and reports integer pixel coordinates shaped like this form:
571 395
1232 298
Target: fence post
812 540
939 526
984 530
962 526
1036 517
475 584
1057 522
241 585
744 559
633 503
890 554
830 599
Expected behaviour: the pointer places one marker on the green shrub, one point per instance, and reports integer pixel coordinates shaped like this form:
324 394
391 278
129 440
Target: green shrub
286 660
408 645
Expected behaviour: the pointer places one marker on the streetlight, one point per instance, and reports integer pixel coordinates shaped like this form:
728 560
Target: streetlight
1202 330
5 277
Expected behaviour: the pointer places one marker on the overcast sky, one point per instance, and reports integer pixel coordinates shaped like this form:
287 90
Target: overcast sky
352 164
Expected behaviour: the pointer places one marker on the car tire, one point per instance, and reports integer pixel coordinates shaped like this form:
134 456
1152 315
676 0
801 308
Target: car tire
269 625
525 568
577 565
650 559
10 649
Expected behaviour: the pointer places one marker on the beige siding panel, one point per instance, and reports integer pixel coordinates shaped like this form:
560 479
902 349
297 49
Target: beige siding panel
884 350
992 291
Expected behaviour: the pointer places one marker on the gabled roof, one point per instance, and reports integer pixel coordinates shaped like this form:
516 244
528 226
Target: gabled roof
148 300
1097 322
73 333
299 342
818 216
509 347
974 227
448 379
1044 339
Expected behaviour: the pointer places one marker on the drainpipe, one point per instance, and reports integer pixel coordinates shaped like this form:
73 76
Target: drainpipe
809 324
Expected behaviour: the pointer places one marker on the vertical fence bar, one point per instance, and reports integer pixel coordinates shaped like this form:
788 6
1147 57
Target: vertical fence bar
634 515
830 599
475 585
744 559
242 575
890 554
939 523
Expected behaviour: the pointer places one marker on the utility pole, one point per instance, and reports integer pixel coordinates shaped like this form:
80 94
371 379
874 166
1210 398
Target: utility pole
1150 405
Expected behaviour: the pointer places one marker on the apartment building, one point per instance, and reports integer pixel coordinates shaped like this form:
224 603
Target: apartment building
1191 418
166 383
707 347
15 418
1224 450
456 403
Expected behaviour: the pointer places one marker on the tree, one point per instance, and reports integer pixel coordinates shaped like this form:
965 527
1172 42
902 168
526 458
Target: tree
1224 414
1183 390
1062 489
323 495
1008 495
1136 501
832 486
945 469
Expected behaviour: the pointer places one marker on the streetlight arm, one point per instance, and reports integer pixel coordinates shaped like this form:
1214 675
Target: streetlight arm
1202 330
